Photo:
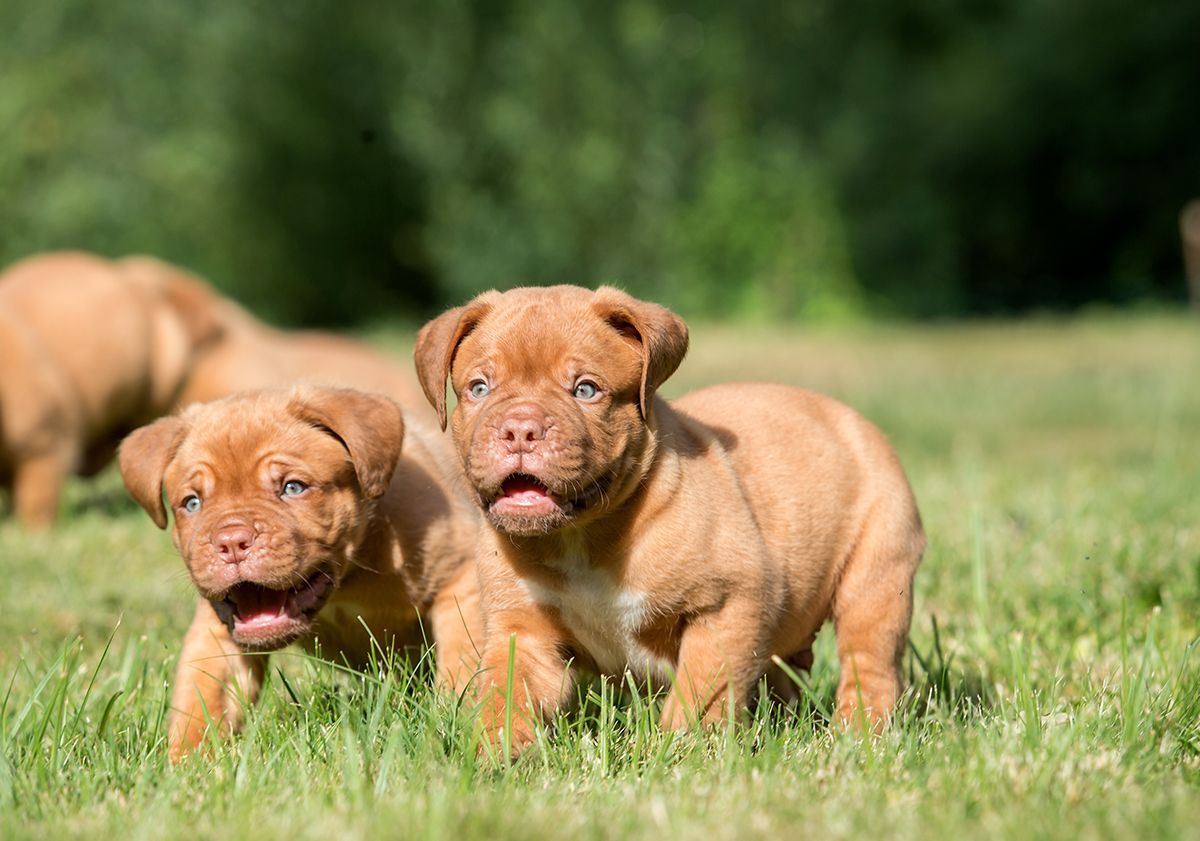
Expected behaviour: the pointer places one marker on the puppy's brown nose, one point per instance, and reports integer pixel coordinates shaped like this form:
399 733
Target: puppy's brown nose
520 430
233 541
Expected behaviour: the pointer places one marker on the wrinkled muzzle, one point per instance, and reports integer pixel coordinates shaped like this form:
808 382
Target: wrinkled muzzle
267 584
533 471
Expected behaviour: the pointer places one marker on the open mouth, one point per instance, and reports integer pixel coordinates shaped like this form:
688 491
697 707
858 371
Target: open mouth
524 504
264 618
522 495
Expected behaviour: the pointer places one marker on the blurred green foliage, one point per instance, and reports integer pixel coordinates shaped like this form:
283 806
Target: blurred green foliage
1000 155
327 162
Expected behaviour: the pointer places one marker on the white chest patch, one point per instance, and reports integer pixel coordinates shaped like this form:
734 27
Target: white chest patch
604 618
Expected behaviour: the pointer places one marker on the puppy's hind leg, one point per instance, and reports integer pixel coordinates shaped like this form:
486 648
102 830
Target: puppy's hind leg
214 682
872 611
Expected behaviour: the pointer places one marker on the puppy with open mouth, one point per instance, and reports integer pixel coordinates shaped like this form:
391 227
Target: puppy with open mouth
689 543
312 515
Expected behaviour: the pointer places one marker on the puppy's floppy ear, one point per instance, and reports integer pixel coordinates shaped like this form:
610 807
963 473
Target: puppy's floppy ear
144 456
437 343
662 335
370 427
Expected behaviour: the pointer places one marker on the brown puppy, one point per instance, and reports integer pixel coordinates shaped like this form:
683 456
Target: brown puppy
688 543
300 519
87 353
249 354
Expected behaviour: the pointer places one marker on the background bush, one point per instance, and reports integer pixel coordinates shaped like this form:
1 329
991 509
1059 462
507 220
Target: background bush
329 161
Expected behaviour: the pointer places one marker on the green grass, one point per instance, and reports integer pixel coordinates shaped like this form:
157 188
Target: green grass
1055 670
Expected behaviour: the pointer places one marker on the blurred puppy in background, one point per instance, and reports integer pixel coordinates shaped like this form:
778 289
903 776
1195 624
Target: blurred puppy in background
250 354
88 352
91 349
304 515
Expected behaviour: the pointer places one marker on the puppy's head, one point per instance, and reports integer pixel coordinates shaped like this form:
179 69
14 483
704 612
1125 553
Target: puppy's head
270 492
555 392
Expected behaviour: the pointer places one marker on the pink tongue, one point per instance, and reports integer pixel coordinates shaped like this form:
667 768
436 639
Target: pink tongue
258 604
524 491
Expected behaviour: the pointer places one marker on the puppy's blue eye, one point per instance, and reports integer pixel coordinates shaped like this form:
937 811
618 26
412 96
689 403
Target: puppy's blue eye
478 390
191 504
294 488
585 390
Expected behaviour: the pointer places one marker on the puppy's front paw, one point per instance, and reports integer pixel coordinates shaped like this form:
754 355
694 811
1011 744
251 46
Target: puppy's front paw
185 733
503 737
862 718
866 706
680 713
675 716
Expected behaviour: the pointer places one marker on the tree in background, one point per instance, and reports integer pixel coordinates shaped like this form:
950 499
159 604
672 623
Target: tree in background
1004 155
327 162
245 141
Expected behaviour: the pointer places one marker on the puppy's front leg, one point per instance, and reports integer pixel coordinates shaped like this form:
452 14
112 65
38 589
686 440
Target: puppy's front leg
457 628
720 658
214 681
541 680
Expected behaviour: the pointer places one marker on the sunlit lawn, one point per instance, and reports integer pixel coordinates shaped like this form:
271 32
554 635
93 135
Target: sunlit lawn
1056 677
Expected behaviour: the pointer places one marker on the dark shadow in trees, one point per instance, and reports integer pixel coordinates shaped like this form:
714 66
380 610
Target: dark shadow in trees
336 210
